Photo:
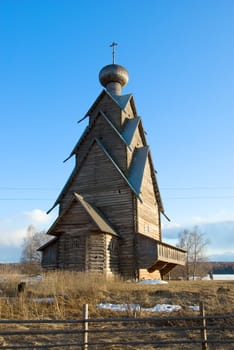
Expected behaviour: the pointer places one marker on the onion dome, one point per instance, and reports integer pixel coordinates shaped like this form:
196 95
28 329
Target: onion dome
113 77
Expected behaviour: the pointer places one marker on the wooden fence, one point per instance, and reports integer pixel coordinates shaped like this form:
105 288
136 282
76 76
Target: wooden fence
187 332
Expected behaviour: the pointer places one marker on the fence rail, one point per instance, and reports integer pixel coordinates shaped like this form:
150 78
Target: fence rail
188 332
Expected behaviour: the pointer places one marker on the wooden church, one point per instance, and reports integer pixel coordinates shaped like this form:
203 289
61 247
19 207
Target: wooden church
110 207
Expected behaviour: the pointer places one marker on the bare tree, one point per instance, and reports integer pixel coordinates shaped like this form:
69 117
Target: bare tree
195 243
33 240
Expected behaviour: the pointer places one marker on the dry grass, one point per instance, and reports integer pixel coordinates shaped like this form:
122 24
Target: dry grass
70 290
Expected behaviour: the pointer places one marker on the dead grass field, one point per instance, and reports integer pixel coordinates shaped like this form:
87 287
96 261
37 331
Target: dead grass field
68 291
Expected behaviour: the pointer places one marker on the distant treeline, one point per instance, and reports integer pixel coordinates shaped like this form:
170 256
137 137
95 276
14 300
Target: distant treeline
214 267
222 267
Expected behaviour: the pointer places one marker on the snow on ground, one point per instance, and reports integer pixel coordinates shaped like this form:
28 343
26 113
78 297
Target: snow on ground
43 300
223 277
137 307
194 307
152 282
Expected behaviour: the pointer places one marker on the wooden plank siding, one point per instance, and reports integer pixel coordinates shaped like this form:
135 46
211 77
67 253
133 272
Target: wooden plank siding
109 107
137 140
146 251
148 209
112 196
144 274
170 254
96 176
50 256
127 113
110 140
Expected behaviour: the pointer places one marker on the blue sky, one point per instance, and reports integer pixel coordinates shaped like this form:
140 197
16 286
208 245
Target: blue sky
179 55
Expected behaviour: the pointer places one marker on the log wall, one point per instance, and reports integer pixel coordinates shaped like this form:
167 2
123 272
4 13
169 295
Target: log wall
101 184
81 245
71 253
112 255
95 257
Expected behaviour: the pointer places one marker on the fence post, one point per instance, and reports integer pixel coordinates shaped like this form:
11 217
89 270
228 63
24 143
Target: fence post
203 328
85 326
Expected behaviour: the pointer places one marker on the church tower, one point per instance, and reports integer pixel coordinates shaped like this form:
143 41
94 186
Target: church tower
110 207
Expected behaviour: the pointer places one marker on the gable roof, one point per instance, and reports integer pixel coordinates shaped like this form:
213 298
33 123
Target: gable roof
121 102
88 129
96 216
50 242
118 169
77 169
126 135
137 167
137 172
130 129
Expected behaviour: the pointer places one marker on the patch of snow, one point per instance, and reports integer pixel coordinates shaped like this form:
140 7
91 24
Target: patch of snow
163 308
119 307
194 307
43 300
152 282
223 277
137 307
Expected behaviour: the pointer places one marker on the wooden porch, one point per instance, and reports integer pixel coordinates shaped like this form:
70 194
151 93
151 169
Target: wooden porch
167 257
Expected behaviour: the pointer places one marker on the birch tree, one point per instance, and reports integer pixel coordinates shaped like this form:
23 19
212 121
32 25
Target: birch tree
195 243
33 240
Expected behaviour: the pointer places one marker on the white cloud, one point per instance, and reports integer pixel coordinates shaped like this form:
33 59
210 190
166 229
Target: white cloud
217 217
171 225
220 235
13 229
38 216
11 237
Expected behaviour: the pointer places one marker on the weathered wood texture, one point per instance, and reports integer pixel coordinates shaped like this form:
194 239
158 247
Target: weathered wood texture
111 108
71 254
112 255
103 165
109 139
50 256
170 253
127 113
146 251
148 209
144 274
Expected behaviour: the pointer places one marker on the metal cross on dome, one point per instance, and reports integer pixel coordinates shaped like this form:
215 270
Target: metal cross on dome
113 51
